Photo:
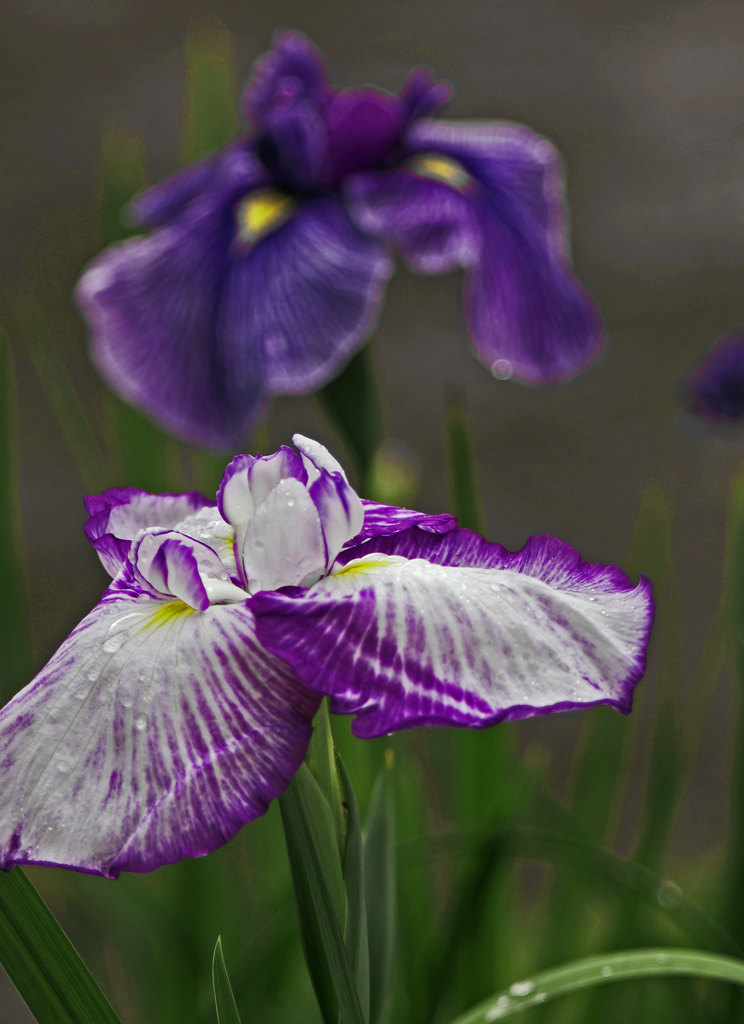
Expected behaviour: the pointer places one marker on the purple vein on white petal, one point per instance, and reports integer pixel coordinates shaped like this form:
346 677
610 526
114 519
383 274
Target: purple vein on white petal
139 745
407 636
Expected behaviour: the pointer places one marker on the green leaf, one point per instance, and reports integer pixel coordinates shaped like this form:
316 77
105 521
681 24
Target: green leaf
352 404
316 880
210 95
380 891
321 761
355 933
598 970
77 431
41 961
224 1000
463 489
122 177
15 634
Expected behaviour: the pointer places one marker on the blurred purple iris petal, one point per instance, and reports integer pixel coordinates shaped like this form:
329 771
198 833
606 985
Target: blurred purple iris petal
180 707
300 300
715 388
422 95
489 198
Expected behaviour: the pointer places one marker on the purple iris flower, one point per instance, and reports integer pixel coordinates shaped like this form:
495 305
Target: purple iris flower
182 704
268 260
713 391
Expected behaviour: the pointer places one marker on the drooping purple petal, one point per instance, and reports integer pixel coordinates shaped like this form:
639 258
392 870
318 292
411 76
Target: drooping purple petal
448 629
153 734
363 125
303 297
117 516
384 520
496 209
422 95
154 306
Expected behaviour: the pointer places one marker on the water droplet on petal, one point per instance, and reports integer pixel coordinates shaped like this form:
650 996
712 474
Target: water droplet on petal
502 369
63 766
127 702
112 645
140 722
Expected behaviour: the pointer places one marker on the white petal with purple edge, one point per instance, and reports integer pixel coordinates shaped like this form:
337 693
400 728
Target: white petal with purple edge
405 641
283 542
315 457
154 733
340 510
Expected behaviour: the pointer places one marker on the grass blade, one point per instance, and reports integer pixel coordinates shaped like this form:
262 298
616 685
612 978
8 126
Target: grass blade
355 932
312 851
352 404
76 429
598 970
224 1000
15 635
380 891
41 961
463 490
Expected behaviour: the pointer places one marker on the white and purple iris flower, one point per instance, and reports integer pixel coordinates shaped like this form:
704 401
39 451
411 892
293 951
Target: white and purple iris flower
268 259
182 704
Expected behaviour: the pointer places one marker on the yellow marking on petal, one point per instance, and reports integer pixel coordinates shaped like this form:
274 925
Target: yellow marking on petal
440 168
263 211
360 565
167 613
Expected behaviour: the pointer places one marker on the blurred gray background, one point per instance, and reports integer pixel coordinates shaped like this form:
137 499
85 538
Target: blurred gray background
646 103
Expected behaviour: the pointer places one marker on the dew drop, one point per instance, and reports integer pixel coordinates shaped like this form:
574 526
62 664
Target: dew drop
63 766
112 645
94 672
140 722
502 369
127 702
258 544
290 502
223 576
522 988
541 997
669 894
606 972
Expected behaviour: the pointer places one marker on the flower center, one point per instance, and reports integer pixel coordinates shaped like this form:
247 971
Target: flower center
440 168
263 211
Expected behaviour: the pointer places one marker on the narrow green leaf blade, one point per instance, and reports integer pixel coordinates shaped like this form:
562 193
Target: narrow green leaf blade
463 490
312 859
380 890
355 933
210 94
224 1000
41 961
321 762
76 429
15 633
352 404
598 970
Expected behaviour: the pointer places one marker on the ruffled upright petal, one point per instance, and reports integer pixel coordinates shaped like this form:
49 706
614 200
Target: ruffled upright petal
153 734
423 96
364 126
426 629
117 516
285 101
